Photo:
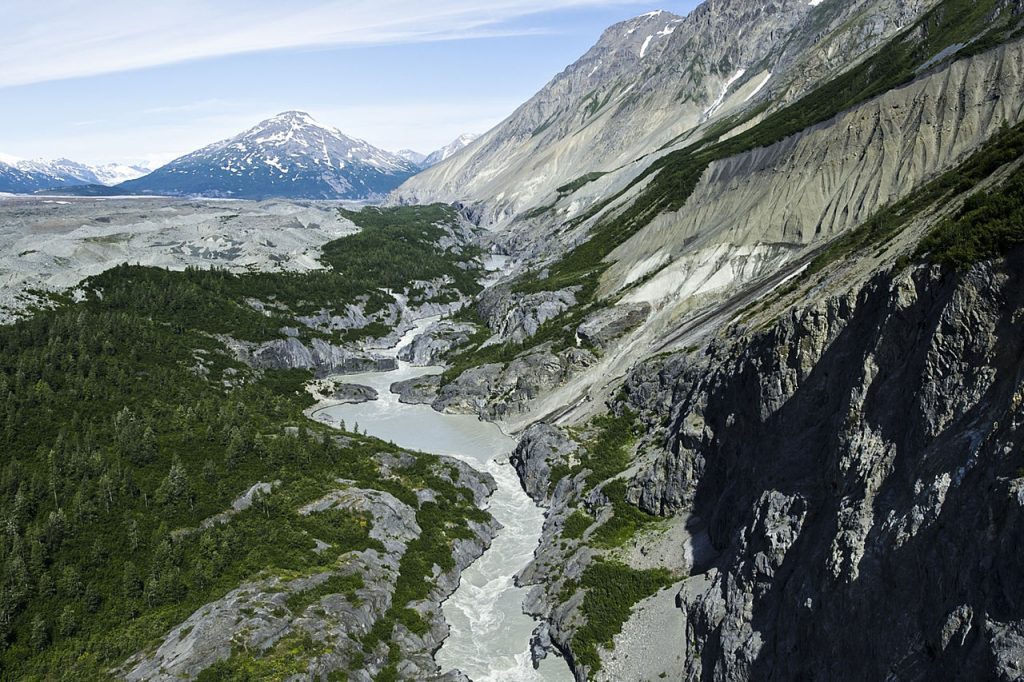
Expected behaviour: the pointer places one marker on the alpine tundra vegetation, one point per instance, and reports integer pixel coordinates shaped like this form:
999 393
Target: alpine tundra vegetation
706 363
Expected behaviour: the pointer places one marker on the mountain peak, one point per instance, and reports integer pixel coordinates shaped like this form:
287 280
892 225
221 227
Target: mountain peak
290 155
290 126
296 117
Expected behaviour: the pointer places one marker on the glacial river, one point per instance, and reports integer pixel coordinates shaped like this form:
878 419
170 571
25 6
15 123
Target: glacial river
490 634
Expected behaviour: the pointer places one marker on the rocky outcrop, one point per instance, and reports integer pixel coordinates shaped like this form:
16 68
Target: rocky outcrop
515 317
605 326
321 357
433 345
495 391
353 394
858 468
542 447
418 391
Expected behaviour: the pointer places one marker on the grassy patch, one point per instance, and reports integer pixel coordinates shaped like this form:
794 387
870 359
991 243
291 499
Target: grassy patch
289 656
608 454
579 183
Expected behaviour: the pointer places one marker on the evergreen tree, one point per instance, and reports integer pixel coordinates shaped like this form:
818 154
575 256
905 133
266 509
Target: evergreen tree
175 491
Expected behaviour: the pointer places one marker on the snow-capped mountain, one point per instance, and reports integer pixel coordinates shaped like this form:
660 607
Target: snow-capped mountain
412 156
109 174
424 161
449 150
287 156
18 181
20 176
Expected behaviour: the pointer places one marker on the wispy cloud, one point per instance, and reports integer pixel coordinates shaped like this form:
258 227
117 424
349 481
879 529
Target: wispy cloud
62 39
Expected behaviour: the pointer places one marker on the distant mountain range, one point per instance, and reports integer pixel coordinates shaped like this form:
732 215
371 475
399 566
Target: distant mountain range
288 156
19 175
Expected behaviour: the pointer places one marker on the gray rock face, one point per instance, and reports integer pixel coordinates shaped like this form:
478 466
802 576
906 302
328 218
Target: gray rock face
858 467
495 391
319 356
470 392
605 326
431 347
418 391
541 447
353 393
516 317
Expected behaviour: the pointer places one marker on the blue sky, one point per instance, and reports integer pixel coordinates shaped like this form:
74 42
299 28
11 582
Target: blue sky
121 80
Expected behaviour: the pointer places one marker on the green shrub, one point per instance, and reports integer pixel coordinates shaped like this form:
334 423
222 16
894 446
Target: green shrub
577 524
612 589
626 519
988 226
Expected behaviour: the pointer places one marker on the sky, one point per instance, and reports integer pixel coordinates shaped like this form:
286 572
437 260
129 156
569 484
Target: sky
133 82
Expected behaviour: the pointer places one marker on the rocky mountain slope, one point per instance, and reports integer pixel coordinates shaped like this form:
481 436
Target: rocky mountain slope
767 372
287 156
650 81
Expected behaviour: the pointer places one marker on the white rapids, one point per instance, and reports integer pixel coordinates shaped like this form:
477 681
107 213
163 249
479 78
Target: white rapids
490 635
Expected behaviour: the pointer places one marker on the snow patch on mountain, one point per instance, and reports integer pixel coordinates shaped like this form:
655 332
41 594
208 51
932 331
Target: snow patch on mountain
450 150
